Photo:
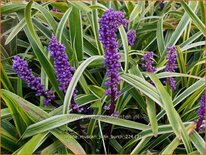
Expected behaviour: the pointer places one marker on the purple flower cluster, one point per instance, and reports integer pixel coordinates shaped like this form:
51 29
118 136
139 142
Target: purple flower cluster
55 10
109 23
21 67
171 65
201 112
61 64
131 36
148 59
63 69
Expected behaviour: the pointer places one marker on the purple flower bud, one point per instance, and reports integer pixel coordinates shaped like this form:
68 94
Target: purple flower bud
115 114
131 36
109 23
171 65
148 62
201 113
55 10
21 67
107 107
162 5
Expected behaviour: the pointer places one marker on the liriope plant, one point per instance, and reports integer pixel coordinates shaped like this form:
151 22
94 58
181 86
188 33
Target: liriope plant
98 77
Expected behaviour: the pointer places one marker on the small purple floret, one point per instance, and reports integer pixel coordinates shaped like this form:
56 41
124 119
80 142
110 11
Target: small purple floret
21 67
107 107
55 10
131 36
115 114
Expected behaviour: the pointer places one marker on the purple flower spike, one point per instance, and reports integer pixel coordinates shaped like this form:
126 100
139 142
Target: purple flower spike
148 59
115 114
21 67
171 65
107 107
131 36
201 113
109 23
61 64
63 69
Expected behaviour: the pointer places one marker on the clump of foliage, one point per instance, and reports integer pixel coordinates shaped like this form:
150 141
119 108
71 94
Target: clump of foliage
102 77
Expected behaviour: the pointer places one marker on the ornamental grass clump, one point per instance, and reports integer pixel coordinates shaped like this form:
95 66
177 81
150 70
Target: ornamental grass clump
151 51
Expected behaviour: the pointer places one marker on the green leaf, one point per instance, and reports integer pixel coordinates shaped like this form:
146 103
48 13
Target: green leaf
47 15
74 81
171 147
51 149
21 120
19 26
172 114
176 141
15 31
34 112
135 12
123 35
196 44
61 24
143 86
8 142
33 143
97 91
5 80
9 8
151 110
200 25
160 37
198 142
190 40
59 120
62 6
76 32
182 25
39 50
181 65
173 74
95 27
68 141
197 85
80 5
102 137
140 145
5 113
162 129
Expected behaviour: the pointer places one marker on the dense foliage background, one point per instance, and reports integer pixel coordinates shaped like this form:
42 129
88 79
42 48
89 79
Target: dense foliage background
152 118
